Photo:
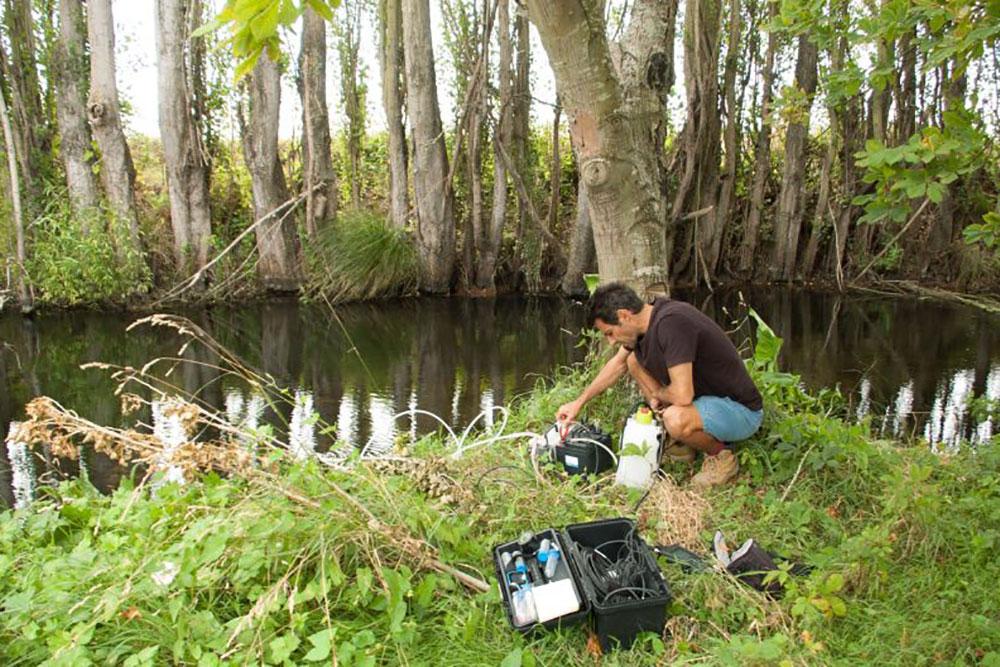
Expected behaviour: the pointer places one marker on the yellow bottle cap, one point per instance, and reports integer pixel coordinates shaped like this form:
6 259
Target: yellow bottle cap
644 415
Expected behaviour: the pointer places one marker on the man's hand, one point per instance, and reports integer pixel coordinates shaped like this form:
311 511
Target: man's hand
568 411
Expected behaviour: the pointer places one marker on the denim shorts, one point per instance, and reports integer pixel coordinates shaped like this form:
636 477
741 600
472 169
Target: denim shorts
727 420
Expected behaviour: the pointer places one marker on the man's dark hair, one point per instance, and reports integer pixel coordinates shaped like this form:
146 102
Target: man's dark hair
608 299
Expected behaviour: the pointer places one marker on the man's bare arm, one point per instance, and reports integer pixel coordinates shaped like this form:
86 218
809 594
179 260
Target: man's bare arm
680 391
612 371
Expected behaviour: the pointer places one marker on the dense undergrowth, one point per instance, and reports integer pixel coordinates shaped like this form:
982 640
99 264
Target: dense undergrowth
284 569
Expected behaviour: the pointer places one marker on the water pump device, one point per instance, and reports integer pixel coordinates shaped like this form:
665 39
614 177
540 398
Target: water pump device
639 455
579 447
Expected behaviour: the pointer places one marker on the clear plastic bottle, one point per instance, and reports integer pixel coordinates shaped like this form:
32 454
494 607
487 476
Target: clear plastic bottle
552 562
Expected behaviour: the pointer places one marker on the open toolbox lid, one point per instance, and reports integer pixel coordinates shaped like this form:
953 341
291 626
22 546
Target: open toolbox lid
617 621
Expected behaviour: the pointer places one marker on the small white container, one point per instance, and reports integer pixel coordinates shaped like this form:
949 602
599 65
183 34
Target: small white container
639 456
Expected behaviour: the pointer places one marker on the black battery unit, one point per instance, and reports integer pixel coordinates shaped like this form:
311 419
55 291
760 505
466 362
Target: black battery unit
584 449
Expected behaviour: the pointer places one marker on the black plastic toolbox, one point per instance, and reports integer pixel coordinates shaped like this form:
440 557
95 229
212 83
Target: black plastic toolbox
616 622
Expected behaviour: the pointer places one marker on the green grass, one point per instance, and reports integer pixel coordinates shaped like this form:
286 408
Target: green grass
903 545
361 256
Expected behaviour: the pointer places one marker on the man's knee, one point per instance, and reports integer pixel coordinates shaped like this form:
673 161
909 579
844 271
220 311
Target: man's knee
678 422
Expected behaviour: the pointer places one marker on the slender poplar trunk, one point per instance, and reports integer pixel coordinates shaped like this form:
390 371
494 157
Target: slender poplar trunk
29 119
528 256
186 164
788 218
117 170
581 249
321 203
354 103
762 153
15 191
391 54
434 206
489 249
555 171
275 235
71 110
699 141
714 229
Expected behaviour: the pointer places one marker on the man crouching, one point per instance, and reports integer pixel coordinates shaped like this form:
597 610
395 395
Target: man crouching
688 370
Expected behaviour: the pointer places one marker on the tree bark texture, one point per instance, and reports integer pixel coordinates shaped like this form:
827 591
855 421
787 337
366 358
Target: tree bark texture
117 170
762 153
275 235
700 139
489 246
26 93
352 90
613 140
391 58
433 197
71 111
581 248
321 203
788 218
183 153
15 191
720 217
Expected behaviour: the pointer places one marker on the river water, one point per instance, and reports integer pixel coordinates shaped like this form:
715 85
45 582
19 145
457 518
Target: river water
908 365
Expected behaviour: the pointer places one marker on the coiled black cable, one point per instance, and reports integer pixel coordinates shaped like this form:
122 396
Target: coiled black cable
619 577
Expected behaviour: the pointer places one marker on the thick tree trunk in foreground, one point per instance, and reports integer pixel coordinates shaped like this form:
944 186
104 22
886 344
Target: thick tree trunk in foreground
183 154
391 58
788 218
276 235
614 141
321 204
117 170
71 111
435 217
489 246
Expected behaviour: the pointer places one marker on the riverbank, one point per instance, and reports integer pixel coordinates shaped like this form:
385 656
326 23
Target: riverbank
291 561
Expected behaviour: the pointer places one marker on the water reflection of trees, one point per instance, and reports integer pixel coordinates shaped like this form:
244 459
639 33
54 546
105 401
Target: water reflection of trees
454 357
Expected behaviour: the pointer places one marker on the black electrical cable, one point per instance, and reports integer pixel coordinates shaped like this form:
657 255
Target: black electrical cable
628 571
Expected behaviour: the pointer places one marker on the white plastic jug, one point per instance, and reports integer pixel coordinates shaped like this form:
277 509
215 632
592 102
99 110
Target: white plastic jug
639 455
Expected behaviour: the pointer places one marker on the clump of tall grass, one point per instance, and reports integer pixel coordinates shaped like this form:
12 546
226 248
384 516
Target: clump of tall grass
361 256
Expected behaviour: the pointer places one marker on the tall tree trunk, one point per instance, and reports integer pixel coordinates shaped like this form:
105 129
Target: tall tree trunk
117 170
15 190
788 218
353 93
391 57
699 141
555 171
435 217
321 204
716 221
529 245
71 104
29 119
581 248
762 152
820 217
183 154
489 248
848 117
942 229
276 235
906 105
613 130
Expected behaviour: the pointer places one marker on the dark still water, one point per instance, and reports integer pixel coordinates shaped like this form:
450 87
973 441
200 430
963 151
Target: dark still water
910 365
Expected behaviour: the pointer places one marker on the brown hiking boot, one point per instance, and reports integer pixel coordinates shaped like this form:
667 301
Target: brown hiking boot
679 452
716 470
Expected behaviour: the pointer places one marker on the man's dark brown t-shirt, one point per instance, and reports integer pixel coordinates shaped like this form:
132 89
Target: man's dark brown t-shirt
679 333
